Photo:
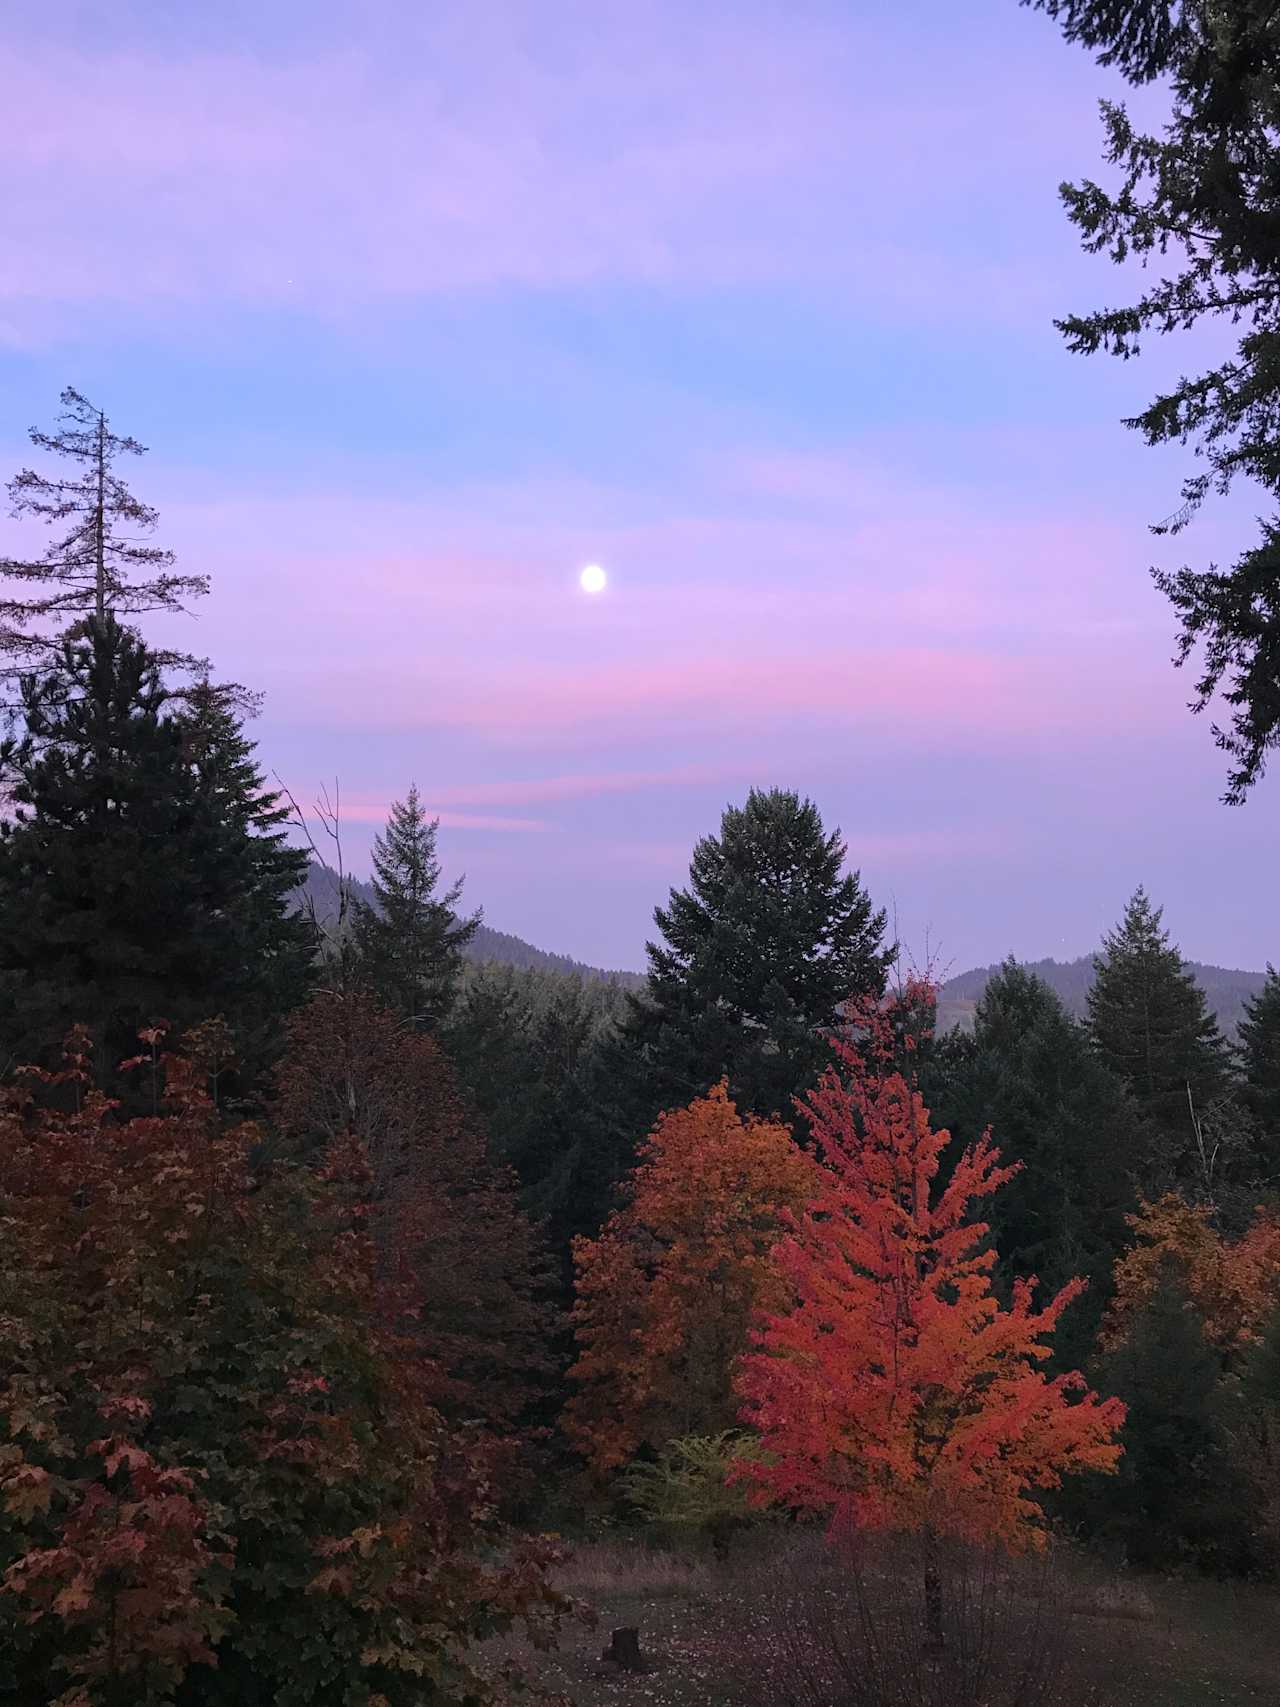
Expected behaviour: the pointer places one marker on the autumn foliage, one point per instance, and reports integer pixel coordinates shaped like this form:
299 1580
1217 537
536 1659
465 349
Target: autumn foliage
440 1208
890 1389
665 1294
222 1475
1233 1284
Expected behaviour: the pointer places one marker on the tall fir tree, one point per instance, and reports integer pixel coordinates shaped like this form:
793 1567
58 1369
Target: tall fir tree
530 1050
758 956
250 875
1054 1107
409 945
1151 1026
141 876
1203 197
1259 1054
1175 1499
100 563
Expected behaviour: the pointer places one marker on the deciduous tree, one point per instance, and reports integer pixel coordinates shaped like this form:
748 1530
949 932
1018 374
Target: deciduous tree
438 1202
890 1389
223 1479
667 1290
1232 1283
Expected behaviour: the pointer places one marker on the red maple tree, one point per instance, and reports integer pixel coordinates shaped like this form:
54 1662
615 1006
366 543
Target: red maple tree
222 1468
445 1217
893 1390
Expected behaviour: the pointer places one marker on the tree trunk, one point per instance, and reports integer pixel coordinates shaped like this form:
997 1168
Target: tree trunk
100 565
624 1650
935 1639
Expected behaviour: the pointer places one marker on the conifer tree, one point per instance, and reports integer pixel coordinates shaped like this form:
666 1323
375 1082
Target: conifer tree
1202 197
1151 1026
99 565
250 875
533 1051
409 945
1054 1107
141 877
758 955
1259 1051
1254 1433
1172 1501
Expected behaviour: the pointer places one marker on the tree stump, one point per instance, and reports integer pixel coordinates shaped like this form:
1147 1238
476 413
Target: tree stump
624 1650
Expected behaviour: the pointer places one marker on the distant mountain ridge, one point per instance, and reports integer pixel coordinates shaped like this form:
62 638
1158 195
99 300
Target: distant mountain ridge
1226 989
488 944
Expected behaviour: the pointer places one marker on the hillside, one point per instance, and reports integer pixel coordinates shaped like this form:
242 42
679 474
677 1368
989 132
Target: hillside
488 944
1225 988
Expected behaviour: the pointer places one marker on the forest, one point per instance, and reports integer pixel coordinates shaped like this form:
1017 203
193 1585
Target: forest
384 1323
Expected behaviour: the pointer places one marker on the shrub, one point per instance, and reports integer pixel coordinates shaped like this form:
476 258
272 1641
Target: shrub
688 1487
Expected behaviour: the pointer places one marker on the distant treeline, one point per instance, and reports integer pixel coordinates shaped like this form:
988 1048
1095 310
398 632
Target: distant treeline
1226 989
487 944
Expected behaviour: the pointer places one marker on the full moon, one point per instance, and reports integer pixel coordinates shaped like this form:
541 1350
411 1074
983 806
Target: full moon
592 579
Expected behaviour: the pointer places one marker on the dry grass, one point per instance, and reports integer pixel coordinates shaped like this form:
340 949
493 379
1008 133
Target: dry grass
1117 1598
1147 1642
608 1570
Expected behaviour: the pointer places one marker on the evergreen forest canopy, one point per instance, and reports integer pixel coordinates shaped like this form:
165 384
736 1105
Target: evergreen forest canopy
350 1247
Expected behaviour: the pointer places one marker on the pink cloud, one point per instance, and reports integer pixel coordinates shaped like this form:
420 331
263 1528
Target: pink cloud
364 810
620 152
585 785
891 607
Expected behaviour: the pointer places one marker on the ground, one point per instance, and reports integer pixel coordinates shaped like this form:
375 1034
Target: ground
1139 1641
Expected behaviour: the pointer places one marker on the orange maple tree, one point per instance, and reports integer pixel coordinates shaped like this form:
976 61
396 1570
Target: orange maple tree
665 1294
891 1389
1234 1284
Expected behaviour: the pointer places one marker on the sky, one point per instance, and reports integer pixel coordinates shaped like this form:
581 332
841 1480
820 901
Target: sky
419 309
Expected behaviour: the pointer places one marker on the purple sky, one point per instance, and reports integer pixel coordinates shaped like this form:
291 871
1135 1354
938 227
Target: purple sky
421 308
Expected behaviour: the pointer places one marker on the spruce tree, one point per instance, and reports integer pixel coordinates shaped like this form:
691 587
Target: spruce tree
1054 1107
758 955
531 1050
250 875
99 564
1176 1499
1151 1026
1202 198
133 888
1259 1053
1254 1429
409 944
